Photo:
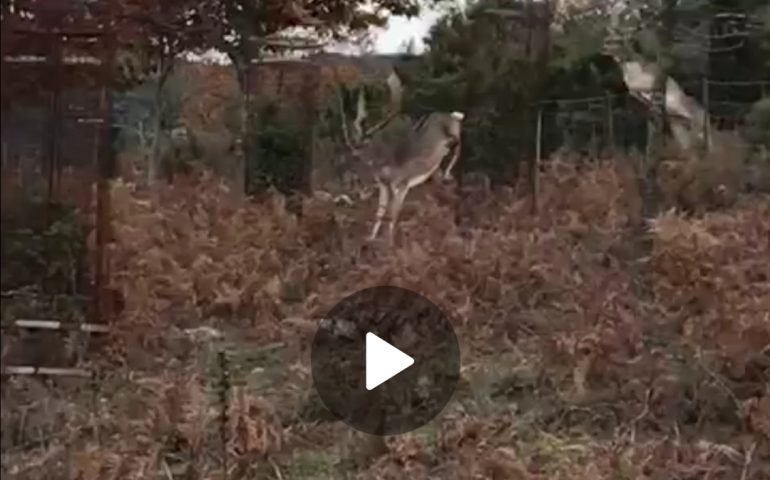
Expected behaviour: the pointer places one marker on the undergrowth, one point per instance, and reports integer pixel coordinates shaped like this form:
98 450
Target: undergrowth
569 371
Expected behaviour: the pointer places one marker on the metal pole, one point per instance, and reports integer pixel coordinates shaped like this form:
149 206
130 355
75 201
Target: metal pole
246 147
536 163
105 169
52 154
610 126
706 110
4 98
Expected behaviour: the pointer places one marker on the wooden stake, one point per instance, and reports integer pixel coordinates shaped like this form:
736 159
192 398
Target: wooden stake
49 371
56 325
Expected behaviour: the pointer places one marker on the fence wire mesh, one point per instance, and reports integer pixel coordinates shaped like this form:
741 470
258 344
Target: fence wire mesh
591 125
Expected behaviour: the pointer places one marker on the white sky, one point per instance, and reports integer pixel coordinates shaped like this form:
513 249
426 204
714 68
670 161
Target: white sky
400 30
391 39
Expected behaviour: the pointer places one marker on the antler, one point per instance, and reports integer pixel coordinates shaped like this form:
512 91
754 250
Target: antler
396 93
344 119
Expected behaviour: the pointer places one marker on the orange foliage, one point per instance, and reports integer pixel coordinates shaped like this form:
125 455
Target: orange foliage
682 335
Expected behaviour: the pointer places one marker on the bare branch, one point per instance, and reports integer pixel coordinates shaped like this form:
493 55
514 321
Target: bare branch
502 12
396 93
344 119
361 115
288 43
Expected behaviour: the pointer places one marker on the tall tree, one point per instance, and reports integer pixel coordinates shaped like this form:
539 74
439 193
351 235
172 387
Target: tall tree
478 62
250 28
155 34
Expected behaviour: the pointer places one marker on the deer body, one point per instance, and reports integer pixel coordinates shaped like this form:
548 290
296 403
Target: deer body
687 118
409 160
400 158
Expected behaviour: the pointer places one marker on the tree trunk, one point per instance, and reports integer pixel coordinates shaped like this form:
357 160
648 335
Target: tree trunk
153 162
242 183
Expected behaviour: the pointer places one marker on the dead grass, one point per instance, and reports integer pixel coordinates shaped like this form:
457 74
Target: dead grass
697 185
568 372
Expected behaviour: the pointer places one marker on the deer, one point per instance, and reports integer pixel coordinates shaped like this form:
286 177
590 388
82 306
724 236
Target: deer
687 118
412 155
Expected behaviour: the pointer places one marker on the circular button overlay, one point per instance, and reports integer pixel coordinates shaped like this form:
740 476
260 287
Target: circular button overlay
385 360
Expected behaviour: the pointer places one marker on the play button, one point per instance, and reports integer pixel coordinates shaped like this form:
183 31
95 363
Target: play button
385 360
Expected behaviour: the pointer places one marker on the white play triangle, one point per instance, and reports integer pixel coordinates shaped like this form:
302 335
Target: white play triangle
383 361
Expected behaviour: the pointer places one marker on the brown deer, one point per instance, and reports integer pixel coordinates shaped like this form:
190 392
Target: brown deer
402 158
688 120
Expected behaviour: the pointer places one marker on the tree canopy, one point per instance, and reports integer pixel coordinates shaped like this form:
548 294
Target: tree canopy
474 63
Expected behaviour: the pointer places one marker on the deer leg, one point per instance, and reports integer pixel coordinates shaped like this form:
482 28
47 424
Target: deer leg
399 194
382 208
455 156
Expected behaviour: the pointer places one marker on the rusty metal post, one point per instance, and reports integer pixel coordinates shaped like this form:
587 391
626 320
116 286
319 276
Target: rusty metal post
101 264
246 128
55 61
105 169
54 26
4 76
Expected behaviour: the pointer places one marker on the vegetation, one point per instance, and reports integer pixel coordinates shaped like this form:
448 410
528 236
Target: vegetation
46 252
584 355
471 64
153 35
568 372
280 152
758 123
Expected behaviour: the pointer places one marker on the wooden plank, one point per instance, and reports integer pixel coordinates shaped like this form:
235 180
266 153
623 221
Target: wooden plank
27 370
66 31
56 325
21 293
69 60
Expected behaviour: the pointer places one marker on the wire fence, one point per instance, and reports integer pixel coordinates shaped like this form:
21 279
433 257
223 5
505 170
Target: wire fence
619 121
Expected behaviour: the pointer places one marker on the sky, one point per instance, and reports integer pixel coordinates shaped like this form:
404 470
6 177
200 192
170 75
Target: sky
400 30
390 39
